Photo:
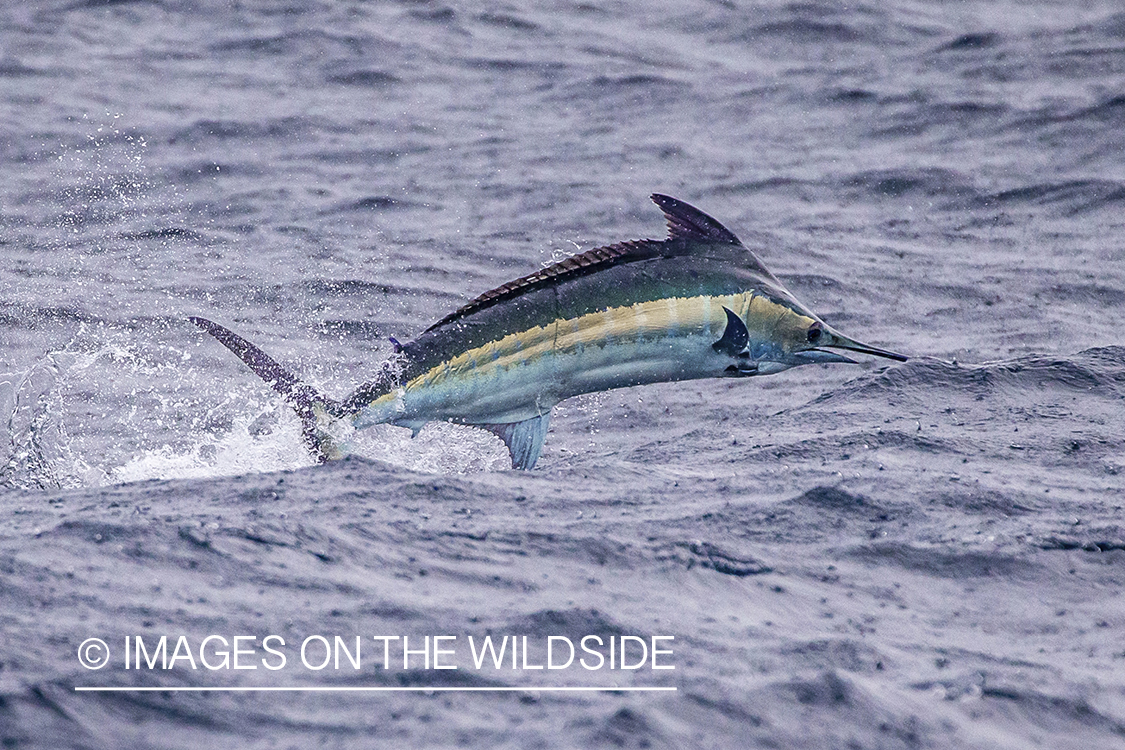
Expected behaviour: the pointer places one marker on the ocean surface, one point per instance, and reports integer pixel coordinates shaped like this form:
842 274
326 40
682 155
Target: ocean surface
918 555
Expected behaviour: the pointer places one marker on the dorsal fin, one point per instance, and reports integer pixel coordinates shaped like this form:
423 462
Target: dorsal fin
576 265
689 223
687 226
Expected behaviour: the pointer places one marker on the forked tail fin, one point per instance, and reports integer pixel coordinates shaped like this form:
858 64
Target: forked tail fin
315 409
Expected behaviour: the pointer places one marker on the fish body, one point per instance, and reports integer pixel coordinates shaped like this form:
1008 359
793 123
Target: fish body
523 374
697 304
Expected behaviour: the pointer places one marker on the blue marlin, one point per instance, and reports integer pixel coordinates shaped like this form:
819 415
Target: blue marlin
697 304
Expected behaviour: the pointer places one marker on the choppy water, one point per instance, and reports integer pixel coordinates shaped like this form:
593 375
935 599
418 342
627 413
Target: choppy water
924 555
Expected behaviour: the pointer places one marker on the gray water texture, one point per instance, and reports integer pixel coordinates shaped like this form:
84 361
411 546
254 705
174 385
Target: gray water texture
924 555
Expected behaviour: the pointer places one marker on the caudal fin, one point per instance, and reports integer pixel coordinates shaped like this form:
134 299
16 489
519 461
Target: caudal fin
314 408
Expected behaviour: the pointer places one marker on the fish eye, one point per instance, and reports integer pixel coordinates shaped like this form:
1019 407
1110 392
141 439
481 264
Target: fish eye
814 333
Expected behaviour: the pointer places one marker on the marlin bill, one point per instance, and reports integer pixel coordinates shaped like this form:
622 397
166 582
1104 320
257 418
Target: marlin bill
697 304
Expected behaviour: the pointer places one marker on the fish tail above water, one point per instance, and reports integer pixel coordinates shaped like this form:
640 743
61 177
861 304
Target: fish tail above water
315 410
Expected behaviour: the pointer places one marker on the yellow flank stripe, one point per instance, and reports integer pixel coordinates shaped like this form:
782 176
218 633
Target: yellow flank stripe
667 317
662 317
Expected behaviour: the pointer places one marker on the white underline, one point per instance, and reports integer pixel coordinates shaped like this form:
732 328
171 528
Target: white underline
353 689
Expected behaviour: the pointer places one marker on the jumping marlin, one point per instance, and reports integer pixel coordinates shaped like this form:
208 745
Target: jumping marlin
698 304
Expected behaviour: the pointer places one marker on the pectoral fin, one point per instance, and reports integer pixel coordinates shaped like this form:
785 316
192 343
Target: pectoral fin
735 337
524 439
